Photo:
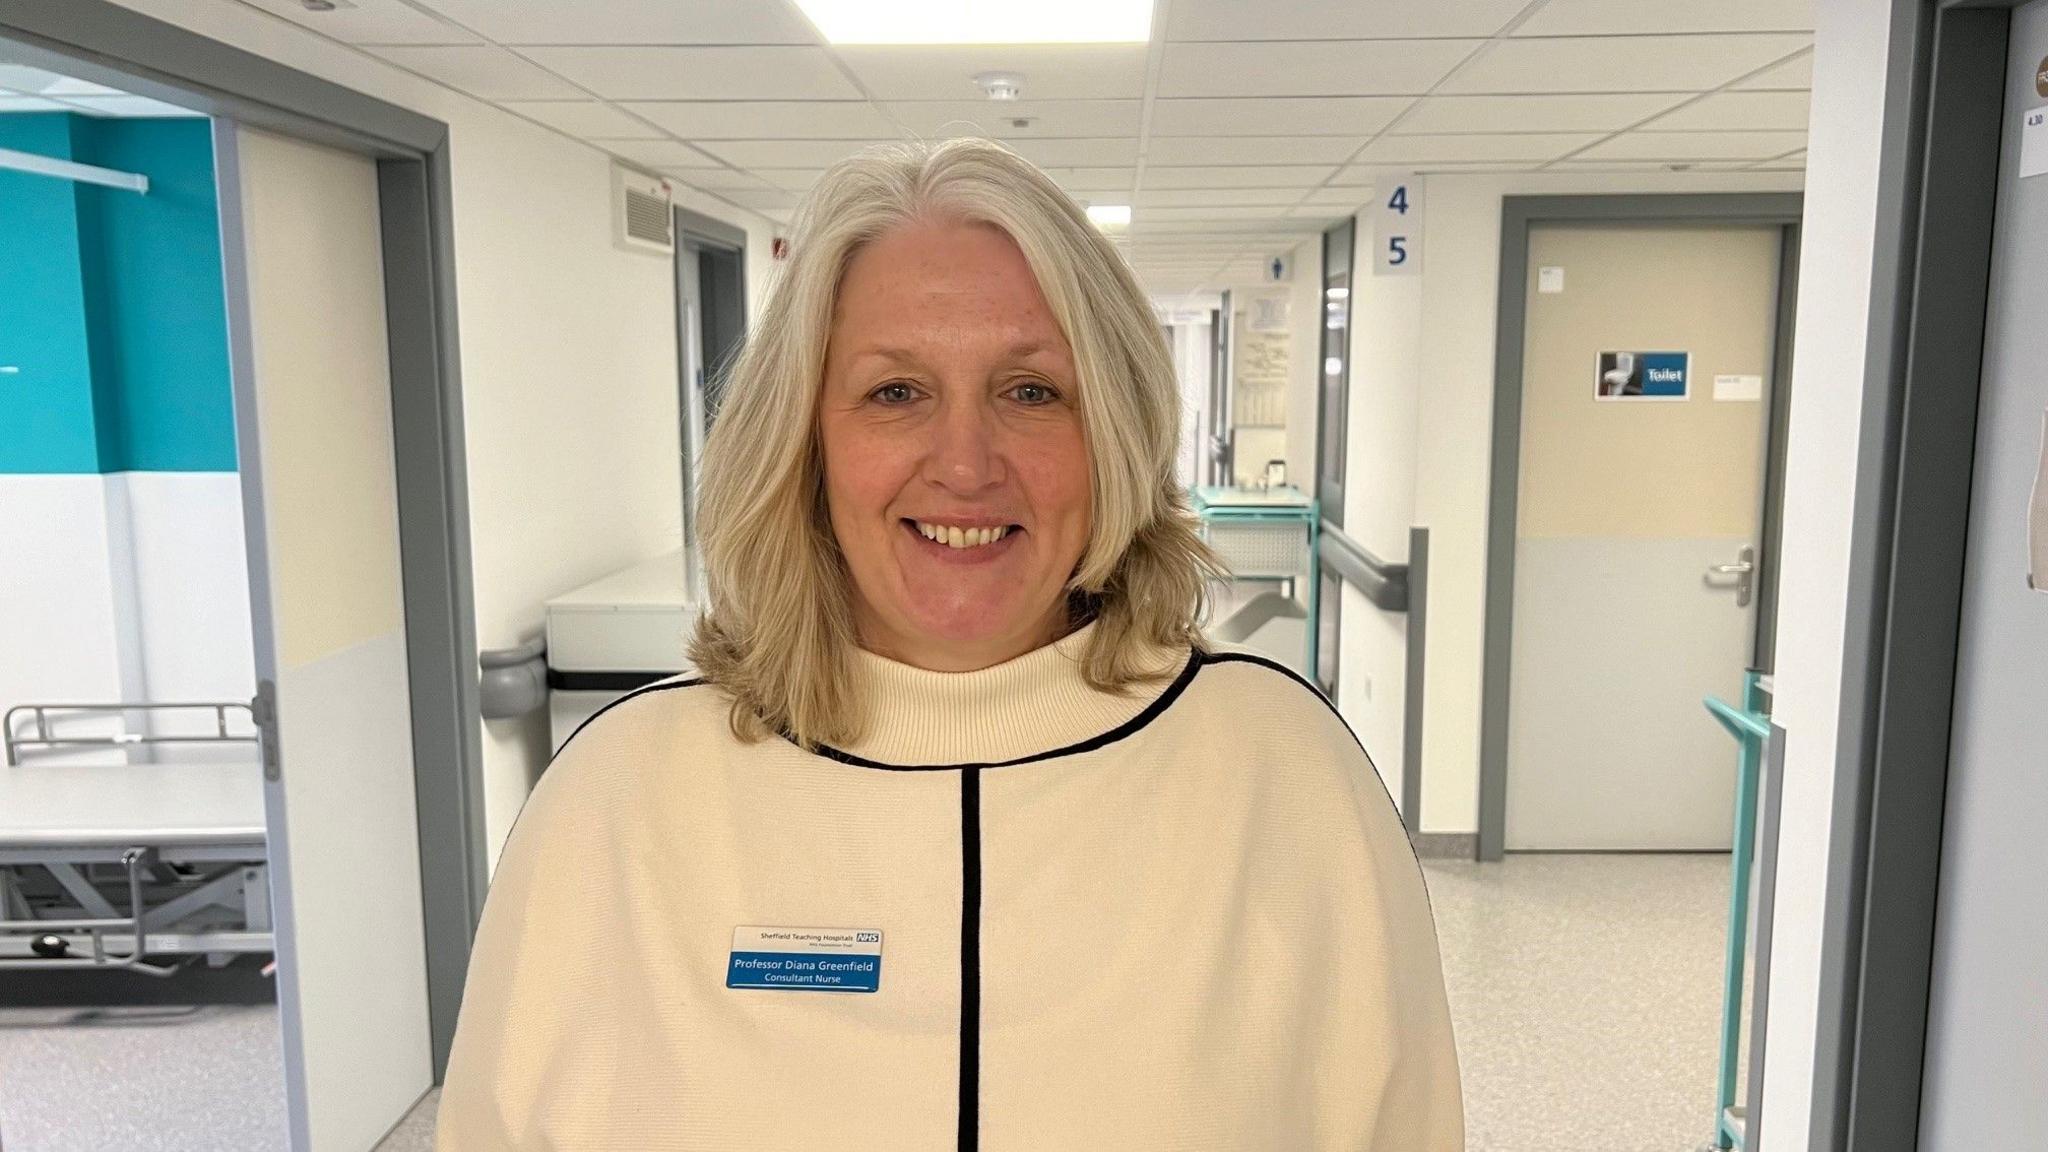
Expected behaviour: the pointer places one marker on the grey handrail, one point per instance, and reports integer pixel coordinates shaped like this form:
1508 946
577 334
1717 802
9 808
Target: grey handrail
1386 585
514 681
1393 588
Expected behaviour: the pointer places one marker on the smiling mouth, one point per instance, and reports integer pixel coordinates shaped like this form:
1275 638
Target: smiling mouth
961 539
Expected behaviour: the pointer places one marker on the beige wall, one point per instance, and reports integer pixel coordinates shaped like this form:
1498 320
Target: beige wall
323 383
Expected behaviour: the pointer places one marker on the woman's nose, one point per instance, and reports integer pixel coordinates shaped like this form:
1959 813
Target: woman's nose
963 452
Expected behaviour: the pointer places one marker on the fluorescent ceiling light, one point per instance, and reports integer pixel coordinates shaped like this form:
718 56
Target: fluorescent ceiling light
981 21
1110 215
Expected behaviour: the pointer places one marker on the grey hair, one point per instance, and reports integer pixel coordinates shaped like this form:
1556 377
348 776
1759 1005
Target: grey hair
778 629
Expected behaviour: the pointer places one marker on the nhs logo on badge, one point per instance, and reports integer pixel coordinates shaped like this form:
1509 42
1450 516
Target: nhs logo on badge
806 959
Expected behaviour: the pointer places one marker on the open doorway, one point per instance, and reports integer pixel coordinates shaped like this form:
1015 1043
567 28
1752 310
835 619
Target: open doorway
1641 372
310 592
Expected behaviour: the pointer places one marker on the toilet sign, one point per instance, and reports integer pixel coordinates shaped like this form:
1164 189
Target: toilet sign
1643 376
1397 225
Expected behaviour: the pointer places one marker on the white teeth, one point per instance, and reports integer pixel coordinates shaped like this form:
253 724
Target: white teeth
954 537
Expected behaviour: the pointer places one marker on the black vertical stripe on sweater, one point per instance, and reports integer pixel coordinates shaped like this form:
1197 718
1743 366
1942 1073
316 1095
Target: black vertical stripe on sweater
970 959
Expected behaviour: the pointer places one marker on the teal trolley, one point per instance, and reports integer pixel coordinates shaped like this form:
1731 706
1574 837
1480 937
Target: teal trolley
1267 534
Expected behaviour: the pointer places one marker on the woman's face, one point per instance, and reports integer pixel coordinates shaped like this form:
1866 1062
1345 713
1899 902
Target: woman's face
955 470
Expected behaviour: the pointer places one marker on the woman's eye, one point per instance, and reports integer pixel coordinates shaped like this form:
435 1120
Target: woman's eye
895 392
1034 393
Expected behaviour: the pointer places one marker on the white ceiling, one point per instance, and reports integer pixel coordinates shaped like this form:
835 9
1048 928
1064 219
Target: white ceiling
25 89
1239 129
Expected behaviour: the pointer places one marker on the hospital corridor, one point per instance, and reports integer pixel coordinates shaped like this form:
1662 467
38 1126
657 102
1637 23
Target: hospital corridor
1365 575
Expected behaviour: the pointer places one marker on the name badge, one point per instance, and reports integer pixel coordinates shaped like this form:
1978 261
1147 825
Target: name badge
806 959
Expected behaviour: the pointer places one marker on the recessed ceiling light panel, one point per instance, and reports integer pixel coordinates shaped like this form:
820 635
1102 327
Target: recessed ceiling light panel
981 21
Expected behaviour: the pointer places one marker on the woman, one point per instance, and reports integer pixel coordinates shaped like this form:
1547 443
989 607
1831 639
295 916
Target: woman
961 839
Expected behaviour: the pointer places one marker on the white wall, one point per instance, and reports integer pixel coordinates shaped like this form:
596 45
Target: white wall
1849 68
1421 424
126 586
568 356
60 640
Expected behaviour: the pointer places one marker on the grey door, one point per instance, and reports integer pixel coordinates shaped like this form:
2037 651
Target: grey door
1986 1071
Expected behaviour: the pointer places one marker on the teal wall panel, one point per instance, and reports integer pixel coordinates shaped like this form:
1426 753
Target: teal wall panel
47 421
112 303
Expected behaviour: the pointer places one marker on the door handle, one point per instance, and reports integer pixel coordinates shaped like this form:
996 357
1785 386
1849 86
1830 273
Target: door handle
1744 571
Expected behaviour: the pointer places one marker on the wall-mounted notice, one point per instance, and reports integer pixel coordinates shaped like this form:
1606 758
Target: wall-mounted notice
1642 376
1259 377
1266 313
2034 141
1550 280
1738 387
1397 224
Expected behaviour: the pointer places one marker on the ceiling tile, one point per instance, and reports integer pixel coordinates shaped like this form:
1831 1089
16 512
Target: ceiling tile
128 107
1600 112
1086 152
1169 150
584 118
1695 146
1214 212
1048 117
372 22
782 153
1338 197
728 73
1198 197
767 119
1640 17
36 82
1621 63
1336 19
631 21
1309 68
1092 177
794 179
774 198
1276 116
658 153
1647 166
715 179
1792 74
1737 111
1513 146
1366 174
1256 176
1050 71
483 71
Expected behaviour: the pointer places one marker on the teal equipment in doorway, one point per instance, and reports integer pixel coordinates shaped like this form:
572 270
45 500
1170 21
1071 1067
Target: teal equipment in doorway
1750 724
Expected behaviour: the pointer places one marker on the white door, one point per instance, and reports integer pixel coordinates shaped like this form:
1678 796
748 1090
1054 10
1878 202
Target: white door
1627 503
319 498
1986 1072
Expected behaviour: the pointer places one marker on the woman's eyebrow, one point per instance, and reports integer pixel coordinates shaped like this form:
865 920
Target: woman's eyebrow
1020 351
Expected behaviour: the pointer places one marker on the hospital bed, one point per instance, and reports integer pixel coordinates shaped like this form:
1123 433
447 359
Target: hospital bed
138 866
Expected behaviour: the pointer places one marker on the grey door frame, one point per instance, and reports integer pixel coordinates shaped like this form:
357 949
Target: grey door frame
99 41
1518 214
1944 111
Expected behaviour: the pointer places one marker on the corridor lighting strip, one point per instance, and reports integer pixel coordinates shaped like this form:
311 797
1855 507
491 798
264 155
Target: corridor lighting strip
67 170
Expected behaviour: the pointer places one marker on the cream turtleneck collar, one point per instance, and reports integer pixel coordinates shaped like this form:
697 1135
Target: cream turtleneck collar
1033 704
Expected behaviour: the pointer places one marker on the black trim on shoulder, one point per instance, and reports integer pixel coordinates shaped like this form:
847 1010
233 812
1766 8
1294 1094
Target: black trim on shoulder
1298 678
603 681
1152 711
643 691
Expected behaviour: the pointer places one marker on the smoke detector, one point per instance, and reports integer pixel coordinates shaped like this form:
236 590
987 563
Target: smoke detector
1001 85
